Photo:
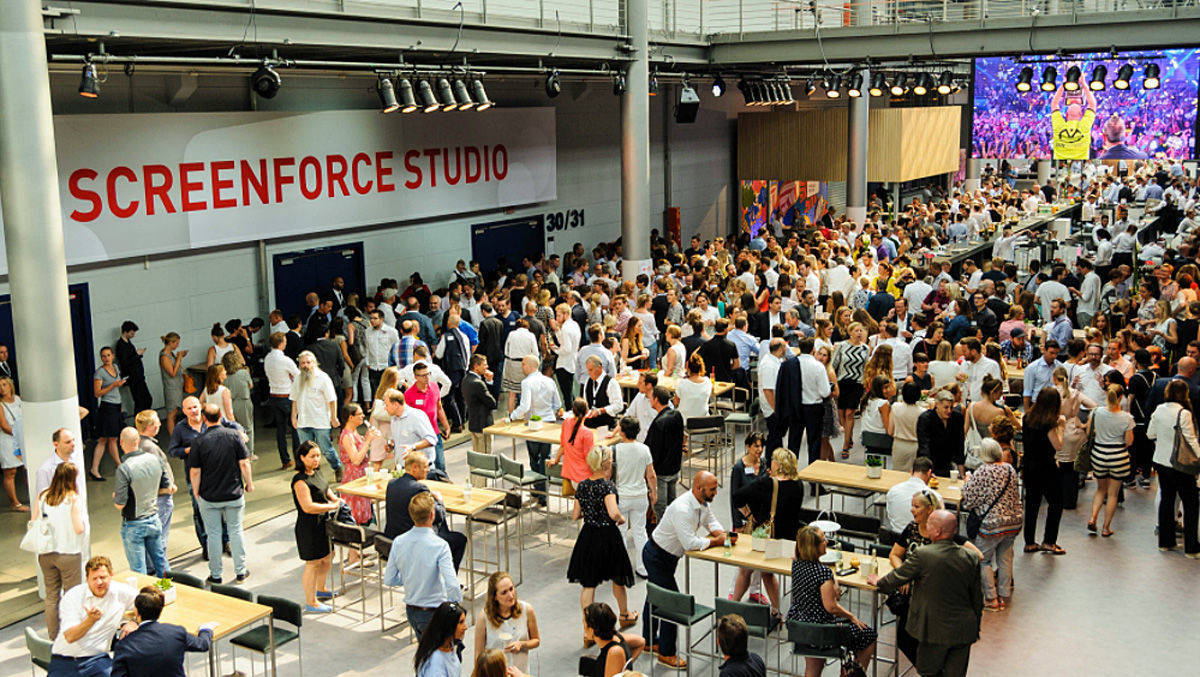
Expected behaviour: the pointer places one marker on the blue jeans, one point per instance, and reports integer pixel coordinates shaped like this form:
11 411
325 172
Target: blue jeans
166 508
660 565
439 454
651 348
143 543
417 619
92 666
213 513
321 437
997 557
198 524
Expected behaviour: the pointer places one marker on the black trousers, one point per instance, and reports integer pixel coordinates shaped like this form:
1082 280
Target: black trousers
373 377
814 415
776 430
1172 483
456 410
141 395
1142 451
457 543
1070 485
280 411
566 382
1042 480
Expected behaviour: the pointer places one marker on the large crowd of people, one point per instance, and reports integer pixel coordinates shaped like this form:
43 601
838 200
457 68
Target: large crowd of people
860 331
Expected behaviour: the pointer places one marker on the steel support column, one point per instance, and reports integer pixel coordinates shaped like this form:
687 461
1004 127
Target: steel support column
635 147
857 129
971 182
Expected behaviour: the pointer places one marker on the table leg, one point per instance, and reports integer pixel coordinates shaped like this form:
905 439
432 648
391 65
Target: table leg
212 659
471 566
687 574
271 640
875 624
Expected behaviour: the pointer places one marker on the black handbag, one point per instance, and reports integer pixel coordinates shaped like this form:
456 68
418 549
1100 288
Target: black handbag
877 442
975 519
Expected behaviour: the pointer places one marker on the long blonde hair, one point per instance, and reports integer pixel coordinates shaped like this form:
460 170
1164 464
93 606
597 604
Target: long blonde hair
387 380
62 485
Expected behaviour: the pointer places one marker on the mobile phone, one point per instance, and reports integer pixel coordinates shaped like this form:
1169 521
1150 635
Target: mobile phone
846 572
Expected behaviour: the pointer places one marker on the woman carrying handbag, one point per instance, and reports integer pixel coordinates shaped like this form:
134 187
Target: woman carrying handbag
774 502
58 527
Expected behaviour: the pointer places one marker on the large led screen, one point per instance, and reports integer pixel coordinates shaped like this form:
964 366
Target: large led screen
1132 106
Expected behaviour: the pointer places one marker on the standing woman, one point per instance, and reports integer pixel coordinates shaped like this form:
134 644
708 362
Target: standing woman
599 554
105 387
993 490
1074 435
216 393
170 365
877 414
314 502
849 358
1113 428
353 449
338 332
240 386
60 507
439 651
1175 412
773 501
1043 436
676 354
693 393
943 368
830 428
633 352
575 442
506 623
12 441
381 420
902 426
219 347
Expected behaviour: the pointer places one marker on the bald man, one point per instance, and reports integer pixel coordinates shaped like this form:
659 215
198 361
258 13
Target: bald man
539 397
1185 370
947 598
140 478
679 531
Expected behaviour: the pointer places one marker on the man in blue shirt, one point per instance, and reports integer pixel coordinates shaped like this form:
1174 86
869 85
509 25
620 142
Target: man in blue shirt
420 561
746 346
1039 374
1059 330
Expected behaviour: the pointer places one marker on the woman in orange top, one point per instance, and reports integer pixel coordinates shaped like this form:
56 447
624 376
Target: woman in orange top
574 444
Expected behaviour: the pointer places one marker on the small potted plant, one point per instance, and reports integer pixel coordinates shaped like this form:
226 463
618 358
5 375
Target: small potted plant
874 467
535 422
759 538
168 590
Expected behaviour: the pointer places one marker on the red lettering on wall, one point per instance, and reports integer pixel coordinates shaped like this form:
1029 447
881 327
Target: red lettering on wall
487 165
111 185
311 165
257 182
219 184
472 174
413 169
161 190
452 179
360 188
186 186
382 171
335 170
80 193
282 180
500 162
432 154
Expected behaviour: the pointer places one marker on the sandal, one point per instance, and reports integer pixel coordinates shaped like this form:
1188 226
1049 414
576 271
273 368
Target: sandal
845 453
1054 549
629 619
1032 548
1107 532
992 606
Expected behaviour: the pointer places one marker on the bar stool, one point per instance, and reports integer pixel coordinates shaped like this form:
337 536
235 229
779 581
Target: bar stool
678 608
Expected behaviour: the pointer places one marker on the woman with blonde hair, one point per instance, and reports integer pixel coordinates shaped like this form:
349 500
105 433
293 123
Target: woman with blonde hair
240 387
693 393
59 506
12 441
1163 331
1073 435
506 624
943 368
170 366
676 354
599 554
880 364
842 319
774 502
1015 320
1110 460
381 420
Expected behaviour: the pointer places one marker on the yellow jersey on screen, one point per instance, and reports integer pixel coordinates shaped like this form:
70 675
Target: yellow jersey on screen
1072 138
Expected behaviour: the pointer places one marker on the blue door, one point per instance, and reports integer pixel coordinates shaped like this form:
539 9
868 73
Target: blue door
312 270
511 240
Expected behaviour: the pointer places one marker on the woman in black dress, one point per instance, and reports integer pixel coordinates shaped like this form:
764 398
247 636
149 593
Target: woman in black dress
1042 431
314 502
616 651
599 553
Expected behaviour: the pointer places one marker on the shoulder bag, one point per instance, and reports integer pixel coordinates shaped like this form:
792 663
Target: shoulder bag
974 441
1083 460
770 523
1183 457
975 519
38 538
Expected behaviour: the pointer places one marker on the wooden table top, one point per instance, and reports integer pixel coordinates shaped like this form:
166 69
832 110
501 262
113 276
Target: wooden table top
631 381
746 557
194 607
855 477
551 433
452 494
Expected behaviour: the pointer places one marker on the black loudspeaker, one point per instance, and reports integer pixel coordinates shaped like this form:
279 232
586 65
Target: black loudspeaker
688 105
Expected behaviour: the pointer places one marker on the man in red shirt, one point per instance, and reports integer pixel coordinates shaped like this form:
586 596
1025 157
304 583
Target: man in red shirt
427 397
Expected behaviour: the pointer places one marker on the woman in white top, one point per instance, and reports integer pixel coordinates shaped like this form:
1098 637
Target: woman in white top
1175 411
219 347
12 441
506 623
381 419
692 393
61 564
216 393
675 355
902 426
637 488
877 410
944 369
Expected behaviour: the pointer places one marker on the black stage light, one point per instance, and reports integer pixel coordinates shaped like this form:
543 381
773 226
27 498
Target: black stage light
553 84
1124 75
266 82
1071 82
1025 79
1150 78
718 87
900 86
924 84
89 88
854 87
945 83
1099 73
833 87
878 84
618 83
1050 79
653 88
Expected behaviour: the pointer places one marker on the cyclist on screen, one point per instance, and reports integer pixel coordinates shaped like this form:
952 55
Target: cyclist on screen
1073 132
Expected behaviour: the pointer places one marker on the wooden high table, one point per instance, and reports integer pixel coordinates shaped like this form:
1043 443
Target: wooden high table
628 381
855 477
194 607
743 556
452 498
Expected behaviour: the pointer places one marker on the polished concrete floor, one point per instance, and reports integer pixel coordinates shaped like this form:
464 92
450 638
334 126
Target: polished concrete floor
1111 606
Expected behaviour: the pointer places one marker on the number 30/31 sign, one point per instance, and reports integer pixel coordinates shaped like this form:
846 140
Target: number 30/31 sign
572 218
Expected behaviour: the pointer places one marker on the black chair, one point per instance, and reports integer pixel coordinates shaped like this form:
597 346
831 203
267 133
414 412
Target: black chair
859 527
184 579
881 550
259 639
358 539
233 591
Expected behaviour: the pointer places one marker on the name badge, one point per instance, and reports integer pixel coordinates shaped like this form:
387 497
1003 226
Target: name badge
419 403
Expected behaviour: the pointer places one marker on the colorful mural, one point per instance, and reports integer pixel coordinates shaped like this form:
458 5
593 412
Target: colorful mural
761 198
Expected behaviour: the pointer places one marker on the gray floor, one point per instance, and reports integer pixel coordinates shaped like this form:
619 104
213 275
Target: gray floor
1112 606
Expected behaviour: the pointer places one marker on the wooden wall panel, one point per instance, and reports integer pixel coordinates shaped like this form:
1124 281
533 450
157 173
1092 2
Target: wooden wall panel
810 145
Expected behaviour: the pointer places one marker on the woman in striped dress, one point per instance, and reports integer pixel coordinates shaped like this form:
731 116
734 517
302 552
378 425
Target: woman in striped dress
1110 455
849 358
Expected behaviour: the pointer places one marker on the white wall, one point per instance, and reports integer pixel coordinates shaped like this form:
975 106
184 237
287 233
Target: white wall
188 292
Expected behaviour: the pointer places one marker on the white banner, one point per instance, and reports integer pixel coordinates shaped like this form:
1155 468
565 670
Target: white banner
145 184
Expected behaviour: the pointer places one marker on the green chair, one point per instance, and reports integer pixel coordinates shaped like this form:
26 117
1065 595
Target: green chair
815 640
524 482
259 639
39 650
233 591
678 608
486 466
184 579
760 622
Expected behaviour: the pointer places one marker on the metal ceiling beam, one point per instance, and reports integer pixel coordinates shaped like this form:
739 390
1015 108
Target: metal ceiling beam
1150 29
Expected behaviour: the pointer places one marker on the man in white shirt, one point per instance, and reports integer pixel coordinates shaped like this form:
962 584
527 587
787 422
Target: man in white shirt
278 325
281 372
768 376
64 449
1006 245
814 388
520 343
314 409
975 367
1052 289
568 334
899 497
595 346
916 291
379 340
602 394
678 532
641 408
90 615
539 397
1088 376
436 375
1088 292
387 306
410 427
902 361
838 278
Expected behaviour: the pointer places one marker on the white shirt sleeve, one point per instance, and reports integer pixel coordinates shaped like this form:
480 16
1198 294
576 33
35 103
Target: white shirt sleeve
615 402
526 402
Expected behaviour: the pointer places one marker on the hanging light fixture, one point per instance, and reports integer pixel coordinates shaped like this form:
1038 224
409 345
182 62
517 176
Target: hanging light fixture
429 102
924 84
653 84
718 86
265 81
1099 73
1025 79
1124 75
1071 82
878 84
553 84
445 95
408 103
89 87
1049 79
854 87
461 96
945 83
900 86
833 87
482 102
387 95
1150 77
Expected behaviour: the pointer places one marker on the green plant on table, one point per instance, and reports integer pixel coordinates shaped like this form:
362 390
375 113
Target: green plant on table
874 461
164 584
761 532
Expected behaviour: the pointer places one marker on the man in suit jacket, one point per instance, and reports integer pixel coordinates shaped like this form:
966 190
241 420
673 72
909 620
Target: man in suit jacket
773 316
156 648
400 492
129 361
947 598
294 344
9 369
329 358
665 440
480 402
789 410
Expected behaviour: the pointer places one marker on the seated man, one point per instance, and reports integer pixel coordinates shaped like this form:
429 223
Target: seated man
421 562
90 615
899 497
156 648
732 637
400 493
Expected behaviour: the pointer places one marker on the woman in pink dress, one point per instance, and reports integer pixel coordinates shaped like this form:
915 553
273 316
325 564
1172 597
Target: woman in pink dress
352 449
574 444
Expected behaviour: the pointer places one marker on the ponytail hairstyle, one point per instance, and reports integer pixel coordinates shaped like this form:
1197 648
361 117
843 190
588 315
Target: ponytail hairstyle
1113 394
695 364
217 330
579 408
